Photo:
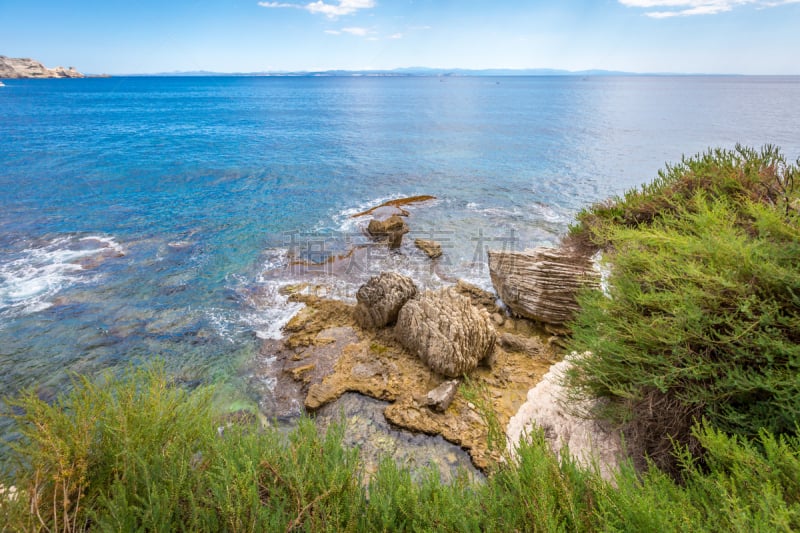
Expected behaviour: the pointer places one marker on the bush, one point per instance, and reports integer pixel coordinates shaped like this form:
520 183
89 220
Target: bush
136 454
701 319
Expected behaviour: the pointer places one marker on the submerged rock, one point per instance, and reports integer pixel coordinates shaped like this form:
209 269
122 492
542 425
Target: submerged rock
380 299
396 203
542 283
446 332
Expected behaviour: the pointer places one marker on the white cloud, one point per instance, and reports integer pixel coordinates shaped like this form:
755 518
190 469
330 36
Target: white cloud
396 36
359 32
342 7
687 8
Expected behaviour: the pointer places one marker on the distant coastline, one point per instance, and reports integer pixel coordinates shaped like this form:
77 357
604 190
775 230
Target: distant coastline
16 68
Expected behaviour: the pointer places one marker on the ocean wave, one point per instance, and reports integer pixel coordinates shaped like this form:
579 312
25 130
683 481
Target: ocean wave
31 277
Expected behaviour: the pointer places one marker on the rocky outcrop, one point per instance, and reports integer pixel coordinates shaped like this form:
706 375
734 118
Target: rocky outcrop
326 355
390 230
446 332
542 283
396 204
431 248
545 408
28 68
380 299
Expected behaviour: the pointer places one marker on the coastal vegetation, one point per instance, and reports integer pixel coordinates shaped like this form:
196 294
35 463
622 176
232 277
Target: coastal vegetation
693 341
700 319
137 453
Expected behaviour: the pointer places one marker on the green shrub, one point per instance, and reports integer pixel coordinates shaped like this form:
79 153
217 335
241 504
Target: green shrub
738 176
702 313
137 454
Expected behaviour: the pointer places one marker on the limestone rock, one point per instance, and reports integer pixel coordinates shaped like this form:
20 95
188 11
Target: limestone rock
547 407
446 331
391 230
380 299
542 283
432 248
28 68
440 398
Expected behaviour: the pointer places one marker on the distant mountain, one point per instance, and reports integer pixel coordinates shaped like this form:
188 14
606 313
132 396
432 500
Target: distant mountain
28 68
406 72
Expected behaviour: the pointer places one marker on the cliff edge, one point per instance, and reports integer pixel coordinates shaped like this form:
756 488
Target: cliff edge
28 68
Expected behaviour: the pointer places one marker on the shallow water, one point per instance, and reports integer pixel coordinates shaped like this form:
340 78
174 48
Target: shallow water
157 217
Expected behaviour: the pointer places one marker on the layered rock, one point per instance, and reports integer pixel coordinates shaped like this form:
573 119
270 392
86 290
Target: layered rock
446 332
431 248
390 230
542 283
28 68
380 299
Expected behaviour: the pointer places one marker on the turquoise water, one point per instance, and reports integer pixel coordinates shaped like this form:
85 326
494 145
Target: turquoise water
157 217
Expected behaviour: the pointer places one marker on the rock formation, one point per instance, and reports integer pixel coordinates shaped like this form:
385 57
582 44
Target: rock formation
542 283
28 68
391 230
446 332
545 408
432 248
380 299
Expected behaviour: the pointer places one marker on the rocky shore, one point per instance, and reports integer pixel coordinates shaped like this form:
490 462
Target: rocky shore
457 362
11 68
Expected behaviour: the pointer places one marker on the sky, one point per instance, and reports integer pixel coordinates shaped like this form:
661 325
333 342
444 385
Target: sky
151 36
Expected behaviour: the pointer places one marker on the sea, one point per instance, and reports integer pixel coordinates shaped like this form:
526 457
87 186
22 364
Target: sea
146 218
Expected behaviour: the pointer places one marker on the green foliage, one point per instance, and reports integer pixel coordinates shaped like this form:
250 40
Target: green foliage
738 175
702 315
137 454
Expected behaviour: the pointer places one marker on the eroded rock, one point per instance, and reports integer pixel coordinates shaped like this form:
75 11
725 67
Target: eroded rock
546 407
390 230
380 299
431 248
542 283
446 331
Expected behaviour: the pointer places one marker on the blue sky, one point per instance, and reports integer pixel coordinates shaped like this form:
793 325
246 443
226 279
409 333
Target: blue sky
115 36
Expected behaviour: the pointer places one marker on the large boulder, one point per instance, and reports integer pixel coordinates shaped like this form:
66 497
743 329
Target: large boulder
390 230
380 299
446 331
542 283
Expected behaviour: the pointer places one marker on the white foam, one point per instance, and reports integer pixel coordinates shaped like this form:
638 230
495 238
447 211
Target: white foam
33 276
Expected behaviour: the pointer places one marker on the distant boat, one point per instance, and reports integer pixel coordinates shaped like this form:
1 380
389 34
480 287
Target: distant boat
2 84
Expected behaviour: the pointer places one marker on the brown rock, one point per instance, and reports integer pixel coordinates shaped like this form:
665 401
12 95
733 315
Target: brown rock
517 343
380 299
432 248
440 398
444 330
390 230
542 283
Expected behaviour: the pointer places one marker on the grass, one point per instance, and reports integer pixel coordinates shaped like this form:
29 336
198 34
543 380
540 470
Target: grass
137 454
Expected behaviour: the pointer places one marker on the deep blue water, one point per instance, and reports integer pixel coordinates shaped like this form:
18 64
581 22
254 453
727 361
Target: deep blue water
151 217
